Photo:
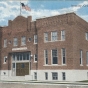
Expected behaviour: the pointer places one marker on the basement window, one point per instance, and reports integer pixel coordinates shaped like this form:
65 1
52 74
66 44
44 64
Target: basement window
54 76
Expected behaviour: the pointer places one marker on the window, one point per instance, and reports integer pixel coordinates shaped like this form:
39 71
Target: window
15 42
54 36
5 58
87 57
80 57
35 75
62 35
63 56
86 35
54 76
46 37
63 76
13 56
35 39
46 56
13 65
5 42
35 58
87 75
46 76
54 56
20 56
23 40
28 57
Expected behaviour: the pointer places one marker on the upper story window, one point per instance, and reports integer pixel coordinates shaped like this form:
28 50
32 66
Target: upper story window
15 42
46 37
54 56
63 56
5 42
23 40
81 52
87 57
21 56
62 35
54 36
35 39
35 58
5 58
86 35
46 56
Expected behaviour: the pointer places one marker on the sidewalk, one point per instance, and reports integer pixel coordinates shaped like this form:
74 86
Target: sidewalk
46 82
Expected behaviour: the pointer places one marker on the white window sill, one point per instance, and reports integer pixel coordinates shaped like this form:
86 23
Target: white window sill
23 45
64 65
15 45
52 65
35 61
53 41
4 63
81 65
35 43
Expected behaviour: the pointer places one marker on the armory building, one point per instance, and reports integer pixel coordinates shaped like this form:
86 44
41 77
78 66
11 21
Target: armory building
51 48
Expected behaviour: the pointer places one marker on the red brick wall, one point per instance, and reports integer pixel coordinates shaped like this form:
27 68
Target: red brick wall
75 39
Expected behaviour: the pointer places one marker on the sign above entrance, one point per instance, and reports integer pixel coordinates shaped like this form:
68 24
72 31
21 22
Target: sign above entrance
22 48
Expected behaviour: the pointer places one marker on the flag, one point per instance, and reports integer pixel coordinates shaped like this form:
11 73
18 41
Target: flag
25 7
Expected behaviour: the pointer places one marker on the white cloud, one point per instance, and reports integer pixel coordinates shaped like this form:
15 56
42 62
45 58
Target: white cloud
6 11
85 17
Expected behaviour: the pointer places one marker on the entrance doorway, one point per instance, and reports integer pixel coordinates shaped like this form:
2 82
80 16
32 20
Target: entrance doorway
20 63
22 69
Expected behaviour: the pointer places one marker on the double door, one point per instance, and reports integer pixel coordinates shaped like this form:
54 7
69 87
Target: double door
22 69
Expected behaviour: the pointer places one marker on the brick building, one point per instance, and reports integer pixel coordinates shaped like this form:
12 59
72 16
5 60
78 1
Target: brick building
51 48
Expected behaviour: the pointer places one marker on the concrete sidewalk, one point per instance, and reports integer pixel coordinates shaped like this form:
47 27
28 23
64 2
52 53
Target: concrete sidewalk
46 82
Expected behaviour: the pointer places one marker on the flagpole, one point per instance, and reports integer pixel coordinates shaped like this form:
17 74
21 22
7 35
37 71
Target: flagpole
20 7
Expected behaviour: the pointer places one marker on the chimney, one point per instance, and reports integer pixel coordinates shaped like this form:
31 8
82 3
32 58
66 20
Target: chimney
10 23
29 19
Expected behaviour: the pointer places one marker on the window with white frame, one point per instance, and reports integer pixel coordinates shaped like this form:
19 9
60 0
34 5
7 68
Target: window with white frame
46 37
46 75
81 57
63 76
62 35
46 56
35 39
13 64
19 56
35 75
63 56
87 57
54 76
54 56
54 36
35 58
5 42
23 40
86 35
5 58
15 42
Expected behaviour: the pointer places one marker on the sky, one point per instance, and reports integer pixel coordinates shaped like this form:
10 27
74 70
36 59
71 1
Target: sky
10 9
